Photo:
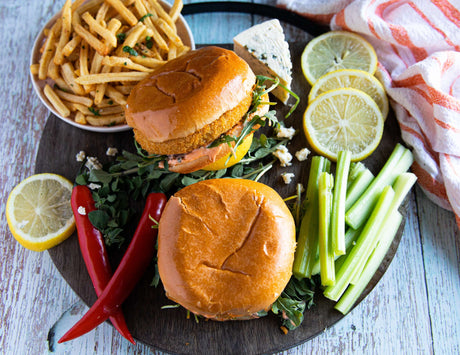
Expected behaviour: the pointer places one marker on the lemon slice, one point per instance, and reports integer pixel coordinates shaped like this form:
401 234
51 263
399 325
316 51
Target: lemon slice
38 211
343 119
240 152
337 50
352 78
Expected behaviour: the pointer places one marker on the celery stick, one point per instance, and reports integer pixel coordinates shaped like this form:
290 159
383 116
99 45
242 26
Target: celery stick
399 161
307 240
338 202
386 236
350 237
355 169
357 187
326 253
401 187
348 269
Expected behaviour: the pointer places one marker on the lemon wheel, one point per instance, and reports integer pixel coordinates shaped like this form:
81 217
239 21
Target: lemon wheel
336 50
343 119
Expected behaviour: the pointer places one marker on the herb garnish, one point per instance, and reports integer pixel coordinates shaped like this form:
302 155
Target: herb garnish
145 16
121 36
296 297
94 111
149 42
130 51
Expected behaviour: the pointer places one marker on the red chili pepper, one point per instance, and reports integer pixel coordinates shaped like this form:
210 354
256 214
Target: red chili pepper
93 251
137 258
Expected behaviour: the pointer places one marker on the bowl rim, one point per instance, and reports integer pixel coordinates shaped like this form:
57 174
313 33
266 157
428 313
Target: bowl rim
39 84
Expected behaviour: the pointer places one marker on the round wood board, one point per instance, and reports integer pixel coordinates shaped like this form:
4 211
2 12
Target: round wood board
169 329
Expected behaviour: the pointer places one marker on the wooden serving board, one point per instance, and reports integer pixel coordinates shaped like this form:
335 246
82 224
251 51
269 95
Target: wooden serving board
169 329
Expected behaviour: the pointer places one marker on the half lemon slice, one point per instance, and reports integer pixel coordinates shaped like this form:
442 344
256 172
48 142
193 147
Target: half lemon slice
38 211
343 119
337 50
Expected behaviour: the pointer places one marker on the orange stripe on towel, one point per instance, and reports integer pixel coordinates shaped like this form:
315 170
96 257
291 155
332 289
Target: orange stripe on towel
432 95
449 10
427 20
400 34
428 182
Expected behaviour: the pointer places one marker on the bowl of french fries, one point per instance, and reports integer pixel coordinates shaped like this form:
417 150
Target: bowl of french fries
88 57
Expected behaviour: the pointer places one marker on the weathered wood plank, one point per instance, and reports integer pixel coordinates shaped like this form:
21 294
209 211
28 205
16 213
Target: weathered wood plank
441 255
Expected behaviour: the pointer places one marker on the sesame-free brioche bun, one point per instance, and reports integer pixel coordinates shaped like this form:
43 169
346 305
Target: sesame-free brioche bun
190 101
226 248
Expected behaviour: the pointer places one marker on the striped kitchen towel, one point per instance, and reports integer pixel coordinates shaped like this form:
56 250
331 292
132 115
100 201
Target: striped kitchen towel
417 43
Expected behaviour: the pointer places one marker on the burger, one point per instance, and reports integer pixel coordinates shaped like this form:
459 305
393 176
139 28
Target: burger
195 109
226 248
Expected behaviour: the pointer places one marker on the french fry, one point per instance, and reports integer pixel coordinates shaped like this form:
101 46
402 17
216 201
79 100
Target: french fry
123 62
80 118
101 14
70 78
123 11
110 77
100 88
56 101
48 51
115 95
96 63
92 40
133 36
106 103
148 62
86 6
162 14
108 120
168 31
172 53
80 108
53 71
61 84
78 99
34 69
124 89
71 46
66 29
95 26
176 10
113 26
112 110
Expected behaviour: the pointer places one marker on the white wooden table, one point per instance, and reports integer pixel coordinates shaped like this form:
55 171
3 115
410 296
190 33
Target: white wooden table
415 308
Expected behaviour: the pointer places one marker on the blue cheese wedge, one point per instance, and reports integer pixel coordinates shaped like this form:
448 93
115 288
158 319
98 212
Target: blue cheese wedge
266 51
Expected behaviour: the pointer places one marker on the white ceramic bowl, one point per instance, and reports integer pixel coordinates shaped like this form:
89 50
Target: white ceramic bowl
183 31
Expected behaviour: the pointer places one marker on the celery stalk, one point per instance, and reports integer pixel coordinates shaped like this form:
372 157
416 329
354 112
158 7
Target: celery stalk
326 253
357 187
349 267
399 161
307 240
338 202
401 187
355 169
386 236
350 237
